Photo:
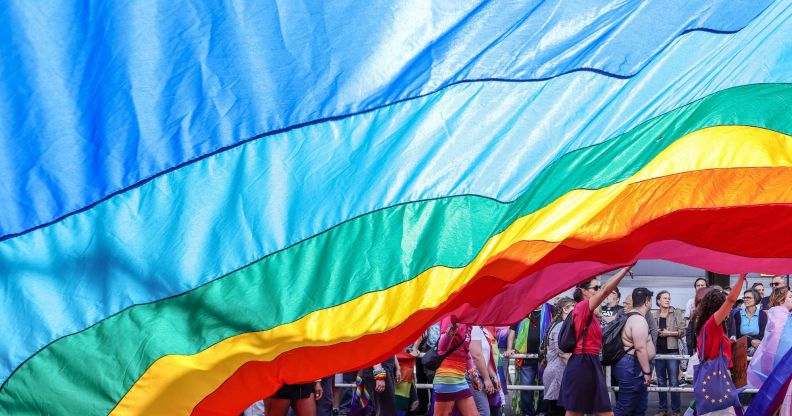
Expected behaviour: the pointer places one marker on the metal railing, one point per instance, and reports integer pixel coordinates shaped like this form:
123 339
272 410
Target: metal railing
611 388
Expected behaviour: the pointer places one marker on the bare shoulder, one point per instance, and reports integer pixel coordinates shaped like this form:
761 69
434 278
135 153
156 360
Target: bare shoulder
632 322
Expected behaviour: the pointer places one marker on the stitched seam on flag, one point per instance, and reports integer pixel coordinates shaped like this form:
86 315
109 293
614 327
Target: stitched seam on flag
2 386
11 374
552 165
362 215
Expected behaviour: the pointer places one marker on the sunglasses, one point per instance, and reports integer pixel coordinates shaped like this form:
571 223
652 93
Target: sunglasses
777 284
594 288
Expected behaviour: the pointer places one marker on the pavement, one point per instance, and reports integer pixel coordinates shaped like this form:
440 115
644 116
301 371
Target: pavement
652 409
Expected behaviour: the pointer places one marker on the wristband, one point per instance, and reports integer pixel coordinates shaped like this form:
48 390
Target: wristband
649 373
379 375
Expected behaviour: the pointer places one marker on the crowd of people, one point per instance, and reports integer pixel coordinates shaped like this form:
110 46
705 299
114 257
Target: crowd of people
563 346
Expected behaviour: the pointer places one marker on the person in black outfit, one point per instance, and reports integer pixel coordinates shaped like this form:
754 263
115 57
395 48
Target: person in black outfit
528 368
611 309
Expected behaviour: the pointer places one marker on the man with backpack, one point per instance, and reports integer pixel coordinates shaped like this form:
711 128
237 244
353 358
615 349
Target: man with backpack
633 370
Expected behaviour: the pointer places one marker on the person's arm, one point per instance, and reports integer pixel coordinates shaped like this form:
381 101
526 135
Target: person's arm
398 369
481 365
510 344
494 377
318 390
379 378
600 295
448 335
723 312
415 349
640 334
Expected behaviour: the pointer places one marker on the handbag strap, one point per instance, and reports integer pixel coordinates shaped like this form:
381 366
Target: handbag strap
455 347
703 343
585 330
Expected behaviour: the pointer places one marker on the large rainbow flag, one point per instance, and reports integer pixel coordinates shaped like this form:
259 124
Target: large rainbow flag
200 201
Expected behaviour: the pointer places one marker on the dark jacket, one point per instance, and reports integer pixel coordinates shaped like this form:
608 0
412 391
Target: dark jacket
765 303
690 337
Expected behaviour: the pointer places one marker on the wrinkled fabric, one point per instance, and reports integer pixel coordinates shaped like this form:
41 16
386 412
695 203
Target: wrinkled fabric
120 262
222 271
103 96
778 333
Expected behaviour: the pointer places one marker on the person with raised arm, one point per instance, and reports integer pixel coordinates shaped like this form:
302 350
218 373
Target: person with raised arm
583 387
451 389
711 315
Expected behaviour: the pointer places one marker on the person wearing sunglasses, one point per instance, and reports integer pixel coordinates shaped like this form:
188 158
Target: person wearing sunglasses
777 283
583 388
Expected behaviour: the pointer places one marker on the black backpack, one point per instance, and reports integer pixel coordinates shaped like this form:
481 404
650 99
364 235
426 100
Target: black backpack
612 343
567 341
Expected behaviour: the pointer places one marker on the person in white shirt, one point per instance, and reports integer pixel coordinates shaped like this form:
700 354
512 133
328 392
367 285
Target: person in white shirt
690 307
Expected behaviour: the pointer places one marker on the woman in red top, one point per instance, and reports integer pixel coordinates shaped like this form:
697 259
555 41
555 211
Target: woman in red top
712 312
583 388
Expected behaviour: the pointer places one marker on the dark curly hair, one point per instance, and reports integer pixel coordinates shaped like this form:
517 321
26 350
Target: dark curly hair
710 304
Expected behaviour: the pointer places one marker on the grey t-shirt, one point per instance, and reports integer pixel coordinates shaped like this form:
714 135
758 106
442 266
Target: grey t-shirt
654 331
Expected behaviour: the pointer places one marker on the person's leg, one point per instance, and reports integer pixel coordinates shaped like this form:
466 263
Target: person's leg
481 401
277 407
661 367
553 408
467 407
423 394
496 410
386 400
346 395
633 380
673 381
324 406
642 399
442 408
528 376
537 381
623 372
503 369
524 394
305 407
